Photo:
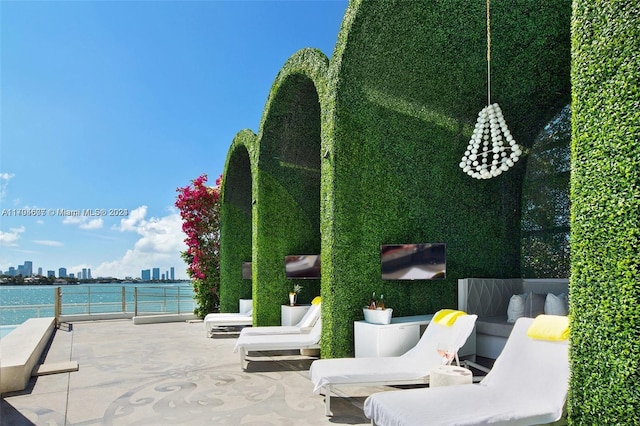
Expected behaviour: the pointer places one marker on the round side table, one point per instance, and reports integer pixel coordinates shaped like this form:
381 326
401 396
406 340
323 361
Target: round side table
448 375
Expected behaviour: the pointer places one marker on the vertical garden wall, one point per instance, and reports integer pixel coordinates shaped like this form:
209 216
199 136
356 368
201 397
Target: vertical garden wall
605 214
287 182
407 81
235 216
363 150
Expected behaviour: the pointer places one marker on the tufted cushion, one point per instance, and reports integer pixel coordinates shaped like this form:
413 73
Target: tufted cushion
494 326
490 297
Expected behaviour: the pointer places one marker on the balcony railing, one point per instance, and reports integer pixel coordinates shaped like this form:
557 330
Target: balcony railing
116 301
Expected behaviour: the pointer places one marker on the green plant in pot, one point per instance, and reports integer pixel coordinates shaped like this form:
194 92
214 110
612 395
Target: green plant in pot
293 294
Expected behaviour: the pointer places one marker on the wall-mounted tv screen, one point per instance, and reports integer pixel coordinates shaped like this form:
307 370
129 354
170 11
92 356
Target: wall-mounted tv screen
246 270
413 261
305 266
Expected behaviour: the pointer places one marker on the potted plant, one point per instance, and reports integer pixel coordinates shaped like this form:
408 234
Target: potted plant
293 295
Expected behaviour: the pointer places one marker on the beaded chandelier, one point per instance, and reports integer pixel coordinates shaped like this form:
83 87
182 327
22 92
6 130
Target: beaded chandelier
492 149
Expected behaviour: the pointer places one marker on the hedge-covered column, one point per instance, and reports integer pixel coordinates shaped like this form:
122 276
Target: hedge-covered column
236 217
605 214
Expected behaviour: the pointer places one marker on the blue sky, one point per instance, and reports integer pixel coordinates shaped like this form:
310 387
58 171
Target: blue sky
115 104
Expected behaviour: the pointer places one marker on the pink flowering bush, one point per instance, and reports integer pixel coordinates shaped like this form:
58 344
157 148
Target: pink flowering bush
199 207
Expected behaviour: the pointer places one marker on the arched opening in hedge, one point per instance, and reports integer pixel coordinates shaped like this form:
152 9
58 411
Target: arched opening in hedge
545 201
409 80
288 188
236 219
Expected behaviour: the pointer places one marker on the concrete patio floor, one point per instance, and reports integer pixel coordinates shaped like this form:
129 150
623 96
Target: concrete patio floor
169 374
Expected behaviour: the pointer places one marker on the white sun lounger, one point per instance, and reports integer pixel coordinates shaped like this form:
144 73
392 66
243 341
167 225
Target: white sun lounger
230 319
527 385
413 367
278 342
303 326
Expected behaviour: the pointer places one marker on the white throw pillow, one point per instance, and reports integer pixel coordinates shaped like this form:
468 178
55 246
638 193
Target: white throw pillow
556 304
515 309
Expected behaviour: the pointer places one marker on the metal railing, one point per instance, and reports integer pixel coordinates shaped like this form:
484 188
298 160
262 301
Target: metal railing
151 300
12 315
112 300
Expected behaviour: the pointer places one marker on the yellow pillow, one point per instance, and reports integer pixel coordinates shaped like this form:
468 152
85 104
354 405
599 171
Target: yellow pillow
447 316
316 300
549 327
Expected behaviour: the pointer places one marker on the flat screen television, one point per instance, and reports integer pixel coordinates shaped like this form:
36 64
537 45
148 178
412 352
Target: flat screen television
246 270
302 266
426 261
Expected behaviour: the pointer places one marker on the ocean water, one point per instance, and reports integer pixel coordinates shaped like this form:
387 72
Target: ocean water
21 302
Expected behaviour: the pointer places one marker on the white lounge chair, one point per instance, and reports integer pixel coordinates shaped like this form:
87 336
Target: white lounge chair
278 342
230 319
527 385
303 326
412 367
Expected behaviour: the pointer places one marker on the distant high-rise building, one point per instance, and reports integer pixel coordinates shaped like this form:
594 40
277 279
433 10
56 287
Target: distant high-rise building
72 275
62 272
146 275
163 276
79 275
12 271
28 268
40 271
20 270
88 273
156 274
173 273
51 274
84 273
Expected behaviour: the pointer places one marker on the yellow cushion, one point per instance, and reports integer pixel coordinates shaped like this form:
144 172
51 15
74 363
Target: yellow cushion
447 316
316 300
549 327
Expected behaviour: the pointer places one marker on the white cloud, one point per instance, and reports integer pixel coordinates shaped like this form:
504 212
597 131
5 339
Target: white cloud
11 238
92 224
83 222
159 246
4 182
49 243
135 217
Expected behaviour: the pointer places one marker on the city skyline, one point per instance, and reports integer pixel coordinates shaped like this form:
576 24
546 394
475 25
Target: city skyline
26 270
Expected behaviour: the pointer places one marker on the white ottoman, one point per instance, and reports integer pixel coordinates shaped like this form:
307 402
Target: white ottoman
448 375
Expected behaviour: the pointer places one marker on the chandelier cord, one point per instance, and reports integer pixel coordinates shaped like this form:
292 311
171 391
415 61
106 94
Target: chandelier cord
492 149
488 52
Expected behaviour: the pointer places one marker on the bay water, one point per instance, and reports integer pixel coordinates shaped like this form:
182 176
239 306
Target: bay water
21 302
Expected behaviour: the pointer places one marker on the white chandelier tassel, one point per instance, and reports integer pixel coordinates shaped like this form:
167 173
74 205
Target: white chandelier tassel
492 149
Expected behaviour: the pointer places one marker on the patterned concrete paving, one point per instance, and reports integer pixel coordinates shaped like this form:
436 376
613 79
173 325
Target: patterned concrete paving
171 374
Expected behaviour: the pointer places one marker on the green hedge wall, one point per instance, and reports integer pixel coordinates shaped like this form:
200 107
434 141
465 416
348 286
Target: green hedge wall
605 214
408 80
287 182
235 217
364 149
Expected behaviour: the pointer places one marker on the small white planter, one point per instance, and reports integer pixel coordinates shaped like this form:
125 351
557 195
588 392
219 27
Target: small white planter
377 316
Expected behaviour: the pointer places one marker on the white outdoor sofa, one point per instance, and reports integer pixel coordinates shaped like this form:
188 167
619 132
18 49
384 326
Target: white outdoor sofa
489 299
